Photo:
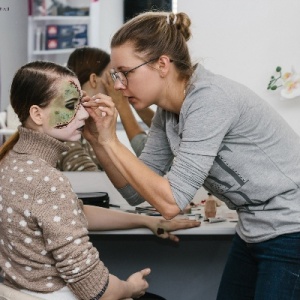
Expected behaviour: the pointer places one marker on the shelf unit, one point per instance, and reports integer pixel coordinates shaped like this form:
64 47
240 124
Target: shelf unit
37 49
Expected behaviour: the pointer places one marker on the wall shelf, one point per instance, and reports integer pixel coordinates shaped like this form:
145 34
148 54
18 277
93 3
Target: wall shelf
57 45
61 18
53 52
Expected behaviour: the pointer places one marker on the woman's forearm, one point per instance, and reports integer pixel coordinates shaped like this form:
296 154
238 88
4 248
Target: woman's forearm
142 178
120 164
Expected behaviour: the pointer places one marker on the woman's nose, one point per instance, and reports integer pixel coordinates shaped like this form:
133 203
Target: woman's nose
118 85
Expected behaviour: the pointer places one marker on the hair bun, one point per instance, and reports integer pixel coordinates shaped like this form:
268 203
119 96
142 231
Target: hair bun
182 22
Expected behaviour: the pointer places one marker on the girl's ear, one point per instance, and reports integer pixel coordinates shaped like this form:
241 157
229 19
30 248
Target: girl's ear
36 114
93 80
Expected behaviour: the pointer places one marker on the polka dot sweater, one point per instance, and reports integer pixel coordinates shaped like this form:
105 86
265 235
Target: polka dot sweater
79 157
44 242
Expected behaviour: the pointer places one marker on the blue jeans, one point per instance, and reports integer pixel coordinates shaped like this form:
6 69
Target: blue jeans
268 270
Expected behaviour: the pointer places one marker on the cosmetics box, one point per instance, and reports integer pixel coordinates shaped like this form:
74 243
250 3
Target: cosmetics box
60 43
66 36
79 42
59 31
95 198
80 30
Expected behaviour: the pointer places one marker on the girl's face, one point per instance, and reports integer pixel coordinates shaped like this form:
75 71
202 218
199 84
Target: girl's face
65 116
144 85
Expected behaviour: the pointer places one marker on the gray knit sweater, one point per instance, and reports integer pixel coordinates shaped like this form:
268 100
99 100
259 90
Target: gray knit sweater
44 242
233 143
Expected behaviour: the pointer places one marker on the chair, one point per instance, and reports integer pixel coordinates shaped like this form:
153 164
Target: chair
8 293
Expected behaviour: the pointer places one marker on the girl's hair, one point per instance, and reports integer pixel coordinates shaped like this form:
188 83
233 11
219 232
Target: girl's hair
33 84
87 60
158 33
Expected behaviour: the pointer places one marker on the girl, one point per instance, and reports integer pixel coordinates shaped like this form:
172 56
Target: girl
44 245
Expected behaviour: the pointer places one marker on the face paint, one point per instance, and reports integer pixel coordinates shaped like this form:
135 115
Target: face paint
66 105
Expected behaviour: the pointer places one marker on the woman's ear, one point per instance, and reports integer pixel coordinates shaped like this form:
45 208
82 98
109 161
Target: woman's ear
93 80
164 65
36 114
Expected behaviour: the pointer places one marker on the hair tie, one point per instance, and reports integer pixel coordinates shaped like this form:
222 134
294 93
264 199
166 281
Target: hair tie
168 19
175 18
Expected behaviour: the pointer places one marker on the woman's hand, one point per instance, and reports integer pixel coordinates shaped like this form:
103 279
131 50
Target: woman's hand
90 129
101 125
162 228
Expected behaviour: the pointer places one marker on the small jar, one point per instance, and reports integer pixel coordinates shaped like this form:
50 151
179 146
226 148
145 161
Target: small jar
210 208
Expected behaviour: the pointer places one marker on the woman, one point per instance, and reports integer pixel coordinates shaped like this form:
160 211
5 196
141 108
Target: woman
208 131
91 65
44 246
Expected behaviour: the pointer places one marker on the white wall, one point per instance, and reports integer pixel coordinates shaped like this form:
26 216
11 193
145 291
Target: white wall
246 41
107 18
243 40
13 43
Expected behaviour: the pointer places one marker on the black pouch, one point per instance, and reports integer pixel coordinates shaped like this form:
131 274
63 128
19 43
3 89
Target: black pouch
95 198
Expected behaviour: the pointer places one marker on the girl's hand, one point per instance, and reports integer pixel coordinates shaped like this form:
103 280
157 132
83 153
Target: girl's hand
162 228
121 102
101 125
138 282
116 95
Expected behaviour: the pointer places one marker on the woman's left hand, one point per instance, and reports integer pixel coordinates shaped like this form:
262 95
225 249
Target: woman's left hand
103 118
163 228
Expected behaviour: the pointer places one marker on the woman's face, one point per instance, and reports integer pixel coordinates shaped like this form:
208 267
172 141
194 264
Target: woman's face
144 85
65 116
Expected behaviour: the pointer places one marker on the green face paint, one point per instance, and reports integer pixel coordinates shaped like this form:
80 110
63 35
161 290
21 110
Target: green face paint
66 105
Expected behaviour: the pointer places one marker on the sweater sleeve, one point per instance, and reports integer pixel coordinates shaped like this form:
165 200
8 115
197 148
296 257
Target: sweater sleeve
77 158
59 214
138 143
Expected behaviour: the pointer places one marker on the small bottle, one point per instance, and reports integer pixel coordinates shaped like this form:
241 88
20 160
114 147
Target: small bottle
210 208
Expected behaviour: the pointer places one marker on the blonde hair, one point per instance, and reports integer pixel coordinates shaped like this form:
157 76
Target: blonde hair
158 33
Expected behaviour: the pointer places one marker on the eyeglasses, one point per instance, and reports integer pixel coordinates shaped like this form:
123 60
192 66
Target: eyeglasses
122 76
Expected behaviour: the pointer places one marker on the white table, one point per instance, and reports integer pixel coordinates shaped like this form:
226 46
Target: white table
190 270
222 228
